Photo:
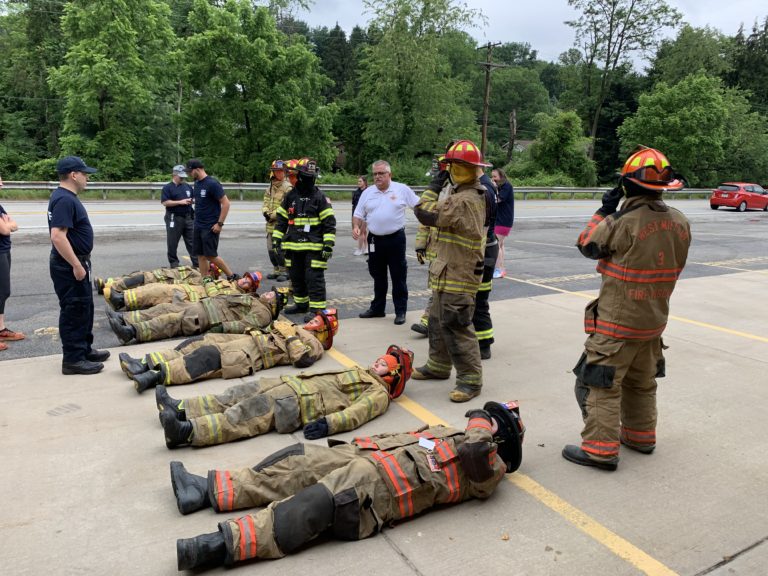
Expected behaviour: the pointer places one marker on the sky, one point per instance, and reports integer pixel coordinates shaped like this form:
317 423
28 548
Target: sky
541 23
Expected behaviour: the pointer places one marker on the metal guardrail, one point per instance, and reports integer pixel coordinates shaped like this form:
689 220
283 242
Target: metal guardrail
154 189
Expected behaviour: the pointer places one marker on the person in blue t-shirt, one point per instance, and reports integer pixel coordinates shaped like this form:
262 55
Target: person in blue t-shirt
70 268
179 216
211 209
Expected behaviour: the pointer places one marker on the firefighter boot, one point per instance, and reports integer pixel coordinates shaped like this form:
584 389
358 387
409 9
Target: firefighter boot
116 299
191 490
167 404
422 373
296 309
148 379
485 352
124 332
420 328
201 551
464 393
177 433
131 366
576 455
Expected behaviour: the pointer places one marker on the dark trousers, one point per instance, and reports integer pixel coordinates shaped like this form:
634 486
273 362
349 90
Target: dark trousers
388 252
182 228
307 272
5 279
76 308
482 317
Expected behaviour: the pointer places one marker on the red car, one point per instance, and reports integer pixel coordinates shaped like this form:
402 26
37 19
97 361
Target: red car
740 195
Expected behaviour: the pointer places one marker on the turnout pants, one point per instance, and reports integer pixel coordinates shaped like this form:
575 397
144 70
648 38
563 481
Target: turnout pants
452 340
307 272
616 391
277 258
481 319
309 490
76 308
387 253
177 227
242 411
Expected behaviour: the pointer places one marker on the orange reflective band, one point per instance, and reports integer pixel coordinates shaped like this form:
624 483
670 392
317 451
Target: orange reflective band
450 470
365 443
225 495
639 436
399 482
247 537
586 234
650 276
621 332
479 423
600 448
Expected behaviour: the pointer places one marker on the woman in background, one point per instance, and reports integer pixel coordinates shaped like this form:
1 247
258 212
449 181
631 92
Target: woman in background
7 225
505 216
362 242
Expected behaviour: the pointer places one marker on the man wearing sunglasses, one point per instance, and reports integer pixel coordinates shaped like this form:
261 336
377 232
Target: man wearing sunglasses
641 250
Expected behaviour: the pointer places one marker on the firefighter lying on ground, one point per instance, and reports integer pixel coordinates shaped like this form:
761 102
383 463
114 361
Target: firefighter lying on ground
321 403
348 491
234 314
234 355
150 295
179 275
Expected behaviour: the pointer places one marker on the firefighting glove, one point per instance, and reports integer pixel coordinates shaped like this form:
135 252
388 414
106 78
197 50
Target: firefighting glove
611 200
316 429
438 182
266 216
421 255
327 252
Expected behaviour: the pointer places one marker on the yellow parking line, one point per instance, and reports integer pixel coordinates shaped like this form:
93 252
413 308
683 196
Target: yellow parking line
615 543
707 325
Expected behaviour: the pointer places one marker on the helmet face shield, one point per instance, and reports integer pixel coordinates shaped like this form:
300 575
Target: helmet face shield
649 170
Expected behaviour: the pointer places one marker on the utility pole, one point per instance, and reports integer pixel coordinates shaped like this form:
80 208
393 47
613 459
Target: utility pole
488 65
512 133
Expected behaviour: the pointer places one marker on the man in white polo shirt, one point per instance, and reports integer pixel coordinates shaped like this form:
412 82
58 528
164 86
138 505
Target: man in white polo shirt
382 207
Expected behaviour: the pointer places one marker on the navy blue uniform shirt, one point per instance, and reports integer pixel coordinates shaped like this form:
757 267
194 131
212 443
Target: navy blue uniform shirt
208 192
173 191
66 211
506 213
5 241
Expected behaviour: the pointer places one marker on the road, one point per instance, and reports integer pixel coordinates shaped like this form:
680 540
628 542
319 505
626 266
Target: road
86 470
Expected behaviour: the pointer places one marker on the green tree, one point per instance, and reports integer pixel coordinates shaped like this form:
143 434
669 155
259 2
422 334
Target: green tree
113 80
560 147
708 132
609 32
693 50
412 103
750 65
254 95
336 58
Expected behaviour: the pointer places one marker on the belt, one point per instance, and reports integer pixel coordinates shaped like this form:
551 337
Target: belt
81 257
385 235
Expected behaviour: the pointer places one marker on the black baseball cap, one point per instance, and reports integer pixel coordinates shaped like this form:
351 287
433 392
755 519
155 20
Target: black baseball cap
73 164
194 163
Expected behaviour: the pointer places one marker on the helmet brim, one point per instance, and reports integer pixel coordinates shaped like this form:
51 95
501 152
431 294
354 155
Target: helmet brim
673 185
509 438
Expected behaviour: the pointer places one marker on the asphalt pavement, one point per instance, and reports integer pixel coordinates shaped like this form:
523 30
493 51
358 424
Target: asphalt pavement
86 470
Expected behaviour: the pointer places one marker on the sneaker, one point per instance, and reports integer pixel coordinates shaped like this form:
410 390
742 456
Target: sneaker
9 335
498 273
357 252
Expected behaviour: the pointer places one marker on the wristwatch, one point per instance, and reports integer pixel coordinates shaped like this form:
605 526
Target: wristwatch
221 224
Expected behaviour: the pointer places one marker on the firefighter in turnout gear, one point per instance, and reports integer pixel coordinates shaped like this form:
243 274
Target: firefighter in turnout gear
273 199
426 235
322 403
348 491
481 319
456 272
179 275
231 314
143 297
641 250
306 232
234 355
